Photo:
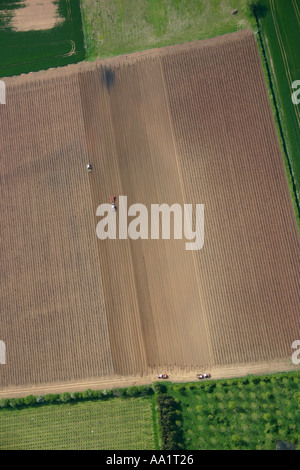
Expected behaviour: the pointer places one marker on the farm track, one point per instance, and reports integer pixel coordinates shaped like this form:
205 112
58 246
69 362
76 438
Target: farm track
183 124
114 381
297 12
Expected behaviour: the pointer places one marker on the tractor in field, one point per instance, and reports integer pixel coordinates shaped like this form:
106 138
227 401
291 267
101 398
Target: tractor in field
163 376
89 167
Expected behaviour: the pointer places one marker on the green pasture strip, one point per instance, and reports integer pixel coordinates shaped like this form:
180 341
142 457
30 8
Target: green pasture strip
123 26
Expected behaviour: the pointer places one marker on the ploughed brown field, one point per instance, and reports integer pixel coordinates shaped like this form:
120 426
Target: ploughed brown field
183 124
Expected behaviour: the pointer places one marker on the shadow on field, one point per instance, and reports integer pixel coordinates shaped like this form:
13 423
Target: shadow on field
258 8
107 77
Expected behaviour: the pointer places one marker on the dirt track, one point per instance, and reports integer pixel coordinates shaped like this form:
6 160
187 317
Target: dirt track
185 124
114 381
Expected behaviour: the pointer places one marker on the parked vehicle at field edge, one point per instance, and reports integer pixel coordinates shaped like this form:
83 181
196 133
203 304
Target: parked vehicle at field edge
203 376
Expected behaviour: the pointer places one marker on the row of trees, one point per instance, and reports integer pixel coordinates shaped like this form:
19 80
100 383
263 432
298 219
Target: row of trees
66 397
170 417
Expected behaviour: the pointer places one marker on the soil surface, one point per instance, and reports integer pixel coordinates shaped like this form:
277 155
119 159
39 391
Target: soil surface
188 124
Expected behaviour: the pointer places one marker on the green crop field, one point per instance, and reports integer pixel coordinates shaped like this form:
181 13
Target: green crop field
113 424
280 25
122 26
248 413
29 51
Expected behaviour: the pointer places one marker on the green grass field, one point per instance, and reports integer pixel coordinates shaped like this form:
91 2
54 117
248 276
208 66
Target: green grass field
280 22
123 26
249 413
114 424
29 51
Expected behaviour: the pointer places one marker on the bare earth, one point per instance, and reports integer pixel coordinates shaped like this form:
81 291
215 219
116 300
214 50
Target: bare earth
53 317
184 124
36 15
